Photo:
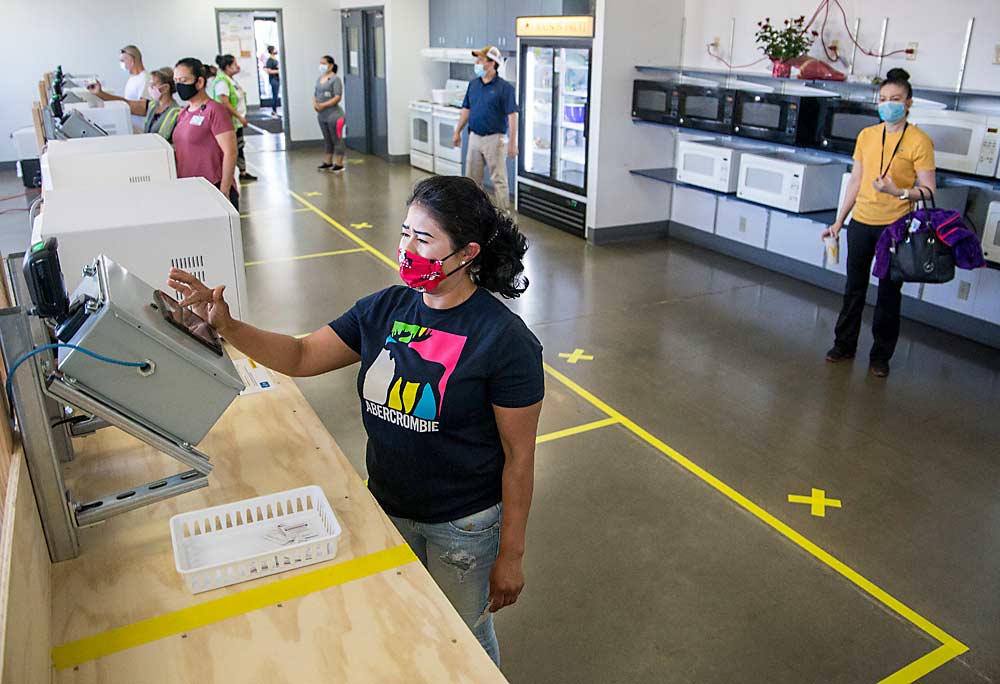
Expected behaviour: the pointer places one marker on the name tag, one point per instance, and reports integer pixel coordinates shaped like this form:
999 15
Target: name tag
197 120
914 225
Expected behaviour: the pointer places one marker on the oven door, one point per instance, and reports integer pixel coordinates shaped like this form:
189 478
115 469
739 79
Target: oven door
422 130
444 130
991 234
706 168
958 140
651 101
841 122
767 182
706 109
763 117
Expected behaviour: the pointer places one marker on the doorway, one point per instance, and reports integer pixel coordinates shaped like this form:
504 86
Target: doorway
246 34
365 103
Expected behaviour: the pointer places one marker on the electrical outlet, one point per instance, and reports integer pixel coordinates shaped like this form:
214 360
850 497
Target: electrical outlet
911 51
716 42
996 54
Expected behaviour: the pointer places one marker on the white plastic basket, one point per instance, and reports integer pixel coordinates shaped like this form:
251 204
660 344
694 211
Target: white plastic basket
236 542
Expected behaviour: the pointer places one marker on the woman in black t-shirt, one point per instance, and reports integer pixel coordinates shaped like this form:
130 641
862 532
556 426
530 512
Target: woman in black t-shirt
273 77
451 386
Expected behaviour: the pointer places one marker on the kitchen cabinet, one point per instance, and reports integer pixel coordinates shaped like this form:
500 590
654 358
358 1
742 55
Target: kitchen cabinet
476 23
441 20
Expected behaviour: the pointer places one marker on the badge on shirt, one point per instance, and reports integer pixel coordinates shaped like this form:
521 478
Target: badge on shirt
197 120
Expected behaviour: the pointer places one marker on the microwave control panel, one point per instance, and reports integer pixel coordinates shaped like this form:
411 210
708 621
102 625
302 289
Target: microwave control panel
987 164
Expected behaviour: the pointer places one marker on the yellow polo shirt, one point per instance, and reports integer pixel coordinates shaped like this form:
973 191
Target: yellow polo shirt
916 153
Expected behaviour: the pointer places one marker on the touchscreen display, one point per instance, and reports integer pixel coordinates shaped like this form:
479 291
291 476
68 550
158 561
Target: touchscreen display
188 321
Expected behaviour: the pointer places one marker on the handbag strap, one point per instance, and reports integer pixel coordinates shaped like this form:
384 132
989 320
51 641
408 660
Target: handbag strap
927 213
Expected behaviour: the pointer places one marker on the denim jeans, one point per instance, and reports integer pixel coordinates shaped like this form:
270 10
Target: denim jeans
459 556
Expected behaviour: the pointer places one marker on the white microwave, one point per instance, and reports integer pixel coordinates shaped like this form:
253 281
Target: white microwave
963 141
791 181
712 164
991 234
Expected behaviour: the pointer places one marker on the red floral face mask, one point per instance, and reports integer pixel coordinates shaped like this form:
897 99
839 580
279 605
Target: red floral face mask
421 273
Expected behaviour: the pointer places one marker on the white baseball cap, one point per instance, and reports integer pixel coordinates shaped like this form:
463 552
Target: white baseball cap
489 52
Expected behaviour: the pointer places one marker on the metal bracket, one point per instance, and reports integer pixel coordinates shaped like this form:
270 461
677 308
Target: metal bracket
99 510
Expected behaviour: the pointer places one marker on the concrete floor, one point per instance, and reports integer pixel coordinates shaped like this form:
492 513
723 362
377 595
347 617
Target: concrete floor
642 566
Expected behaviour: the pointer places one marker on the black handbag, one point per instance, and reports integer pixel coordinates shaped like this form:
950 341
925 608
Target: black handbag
921 257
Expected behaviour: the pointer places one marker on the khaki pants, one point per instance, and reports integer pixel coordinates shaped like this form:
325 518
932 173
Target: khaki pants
491 151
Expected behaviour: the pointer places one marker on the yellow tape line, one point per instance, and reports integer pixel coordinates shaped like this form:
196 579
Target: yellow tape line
306 256
347 233
569 432
951 647
180 621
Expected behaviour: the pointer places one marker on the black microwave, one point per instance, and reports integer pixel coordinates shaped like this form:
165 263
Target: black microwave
840 122
677 104
784 119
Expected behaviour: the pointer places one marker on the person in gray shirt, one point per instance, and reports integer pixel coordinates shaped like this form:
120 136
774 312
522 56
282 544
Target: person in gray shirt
326 102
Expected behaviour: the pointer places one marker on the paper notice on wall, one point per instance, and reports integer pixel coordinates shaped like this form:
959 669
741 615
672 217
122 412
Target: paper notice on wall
354 61
254 376
231 47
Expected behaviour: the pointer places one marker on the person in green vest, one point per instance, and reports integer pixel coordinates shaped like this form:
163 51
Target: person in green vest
230 94
162 109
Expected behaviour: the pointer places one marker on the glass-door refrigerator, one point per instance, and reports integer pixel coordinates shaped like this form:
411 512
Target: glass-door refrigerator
554 84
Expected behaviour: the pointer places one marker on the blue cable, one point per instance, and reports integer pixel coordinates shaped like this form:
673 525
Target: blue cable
47 347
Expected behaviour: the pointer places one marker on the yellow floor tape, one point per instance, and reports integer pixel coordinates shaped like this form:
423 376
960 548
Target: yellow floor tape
180 621
950 646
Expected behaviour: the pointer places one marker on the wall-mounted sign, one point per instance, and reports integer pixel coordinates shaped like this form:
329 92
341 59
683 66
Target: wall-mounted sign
555 27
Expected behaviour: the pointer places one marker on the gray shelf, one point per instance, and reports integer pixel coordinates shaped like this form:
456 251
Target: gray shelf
669 175
839 86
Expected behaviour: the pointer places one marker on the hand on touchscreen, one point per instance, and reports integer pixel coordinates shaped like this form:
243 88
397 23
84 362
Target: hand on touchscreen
207 303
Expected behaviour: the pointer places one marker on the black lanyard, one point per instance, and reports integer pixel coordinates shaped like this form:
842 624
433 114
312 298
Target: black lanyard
894 151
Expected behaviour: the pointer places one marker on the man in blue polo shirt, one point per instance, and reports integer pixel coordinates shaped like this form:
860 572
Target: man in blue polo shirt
490 109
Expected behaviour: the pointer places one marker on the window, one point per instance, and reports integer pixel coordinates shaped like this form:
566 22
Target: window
379 52
353 51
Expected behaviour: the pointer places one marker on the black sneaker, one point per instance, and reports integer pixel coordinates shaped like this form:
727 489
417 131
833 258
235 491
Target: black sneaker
325 167
836 355
248 177
337 168
879 369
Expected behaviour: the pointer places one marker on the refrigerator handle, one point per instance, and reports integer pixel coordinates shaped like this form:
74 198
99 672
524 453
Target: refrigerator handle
586 121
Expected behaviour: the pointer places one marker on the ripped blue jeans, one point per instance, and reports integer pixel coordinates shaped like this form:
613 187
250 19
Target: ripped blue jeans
459 556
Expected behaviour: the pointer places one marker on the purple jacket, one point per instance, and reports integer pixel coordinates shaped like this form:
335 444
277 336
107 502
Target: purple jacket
951 230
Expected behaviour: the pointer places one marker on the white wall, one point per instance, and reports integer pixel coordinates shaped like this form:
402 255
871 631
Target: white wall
629 33
87 37
408 75
937 25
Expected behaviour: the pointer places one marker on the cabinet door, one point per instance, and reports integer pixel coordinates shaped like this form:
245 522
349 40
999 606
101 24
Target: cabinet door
515 9
551 7
476 23
439 11
496 21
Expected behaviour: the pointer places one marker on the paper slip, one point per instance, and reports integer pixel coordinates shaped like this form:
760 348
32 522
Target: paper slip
254 376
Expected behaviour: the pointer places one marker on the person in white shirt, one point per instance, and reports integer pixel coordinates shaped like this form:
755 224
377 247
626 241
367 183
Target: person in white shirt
135 91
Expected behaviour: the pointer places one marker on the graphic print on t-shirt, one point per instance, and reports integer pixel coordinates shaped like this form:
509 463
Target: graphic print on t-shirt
406 385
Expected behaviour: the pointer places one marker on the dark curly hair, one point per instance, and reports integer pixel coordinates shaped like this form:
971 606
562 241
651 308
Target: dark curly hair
466 213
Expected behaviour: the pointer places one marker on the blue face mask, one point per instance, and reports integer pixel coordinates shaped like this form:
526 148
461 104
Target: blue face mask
891 112
480 70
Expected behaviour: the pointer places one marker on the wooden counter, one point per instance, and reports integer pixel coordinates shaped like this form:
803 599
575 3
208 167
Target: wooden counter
392 626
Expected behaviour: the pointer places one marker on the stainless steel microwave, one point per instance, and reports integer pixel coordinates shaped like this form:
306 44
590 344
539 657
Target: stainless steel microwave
700 107
840 122
784 119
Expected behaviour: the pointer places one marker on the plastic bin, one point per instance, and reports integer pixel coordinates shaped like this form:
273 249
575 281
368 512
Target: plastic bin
232 543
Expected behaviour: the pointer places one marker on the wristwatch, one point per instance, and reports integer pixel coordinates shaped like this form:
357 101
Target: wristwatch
905 195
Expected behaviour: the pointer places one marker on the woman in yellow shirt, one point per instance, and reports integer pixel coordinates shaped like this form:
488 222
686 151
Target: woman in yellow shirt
889 160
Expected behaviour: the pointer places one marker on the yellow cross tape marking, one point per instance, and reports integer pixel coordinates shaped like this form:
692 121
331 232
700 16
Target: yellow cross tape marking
313 194
305 256
362 225
577 355
817 500
216 610
274 212
950 646
569 432
391 263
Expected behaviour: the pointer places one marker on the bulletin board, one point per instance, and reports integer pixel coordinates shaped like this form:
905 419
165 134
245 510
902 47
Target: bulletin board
236 37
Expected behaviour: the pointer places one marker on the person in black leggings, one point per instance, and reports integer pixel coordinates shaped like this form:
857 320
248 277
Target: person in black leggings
889 159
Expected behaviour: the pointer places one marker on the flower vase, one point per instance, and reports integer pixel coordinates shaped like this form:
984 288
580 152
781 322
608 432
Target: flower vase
780 68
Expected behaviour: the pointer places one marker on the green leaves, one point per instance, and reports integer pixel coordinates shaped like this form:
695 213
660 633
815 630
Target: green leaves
788 42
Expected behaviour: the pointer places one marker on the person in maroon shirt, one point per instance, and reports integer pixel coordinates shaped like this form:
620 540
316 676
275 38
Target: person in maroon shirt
204 139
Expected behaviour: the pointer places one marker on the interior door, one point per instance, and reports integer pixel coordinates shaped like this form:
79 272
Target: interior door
378 119
355 90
